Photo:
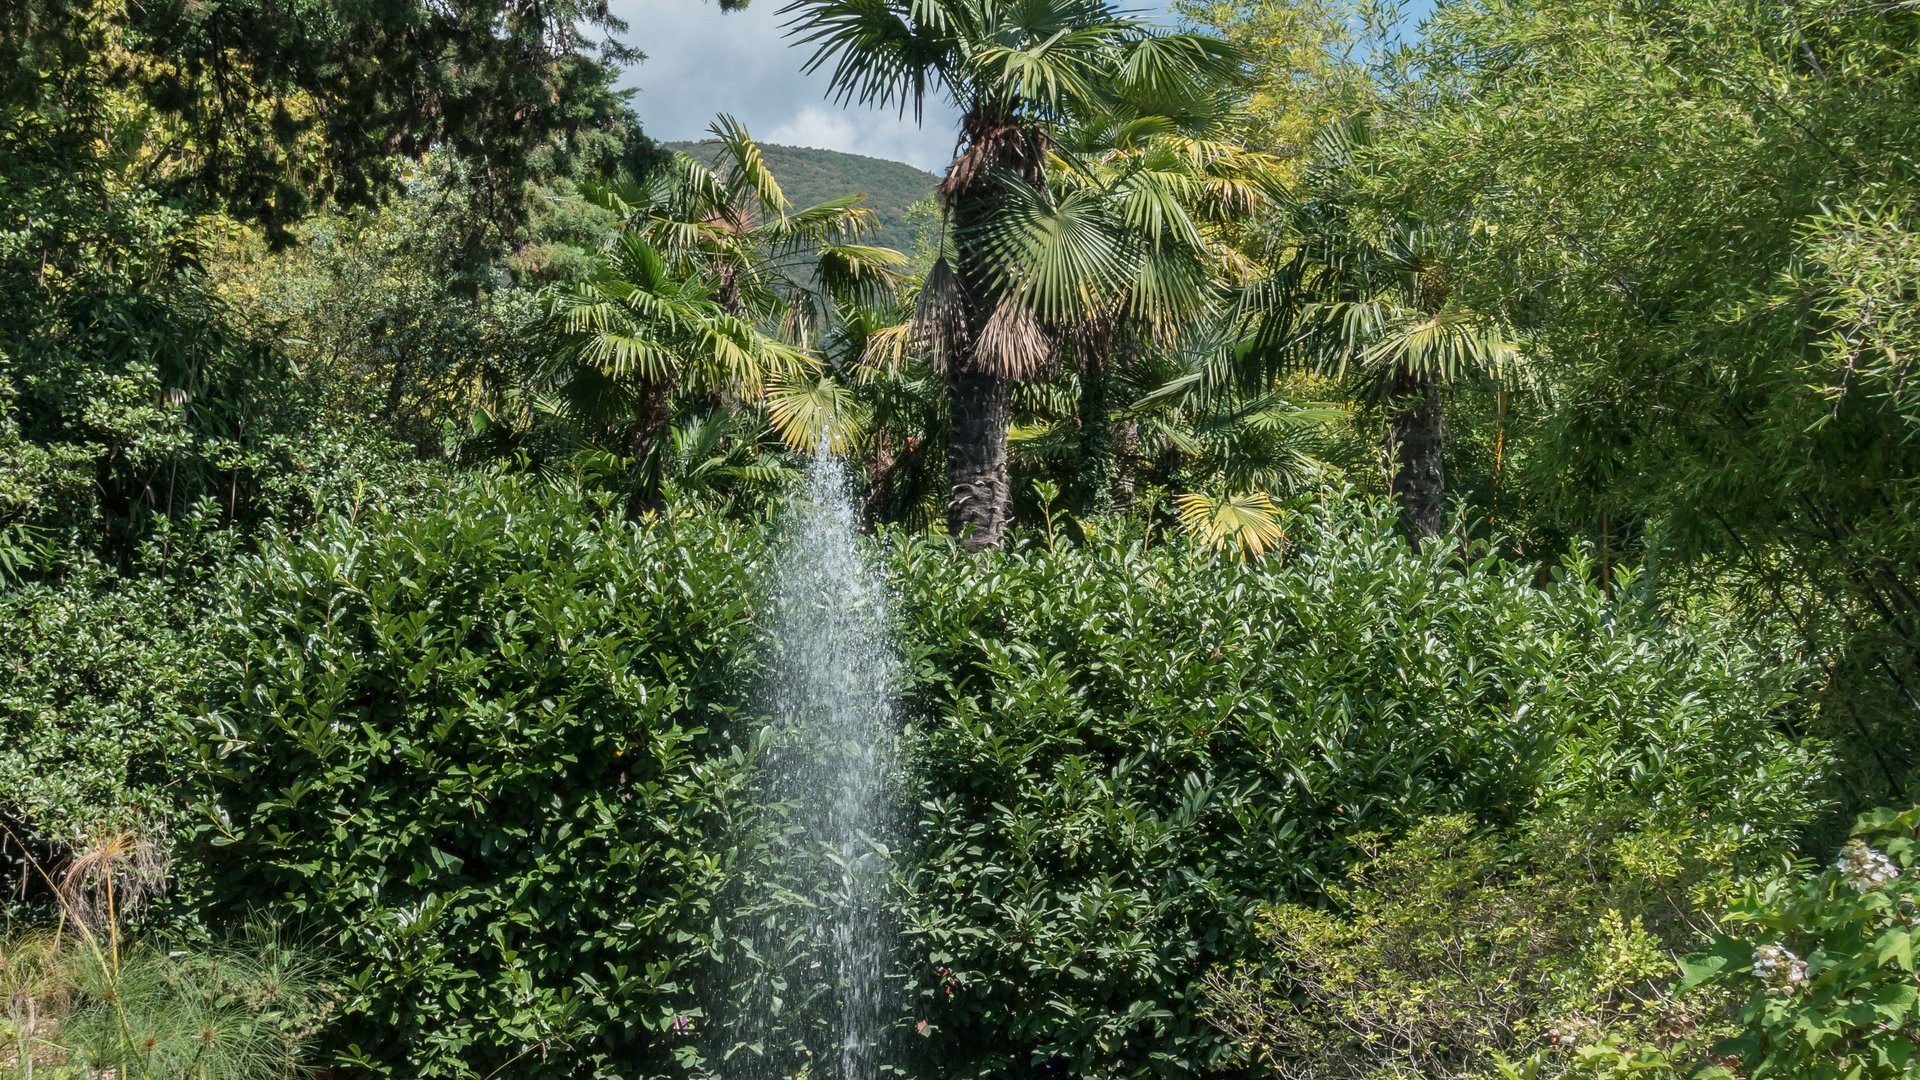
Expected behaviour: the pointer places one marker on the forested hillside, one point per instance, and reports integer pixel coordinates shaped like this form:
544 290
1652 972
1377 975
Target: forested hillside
1320 549
810 176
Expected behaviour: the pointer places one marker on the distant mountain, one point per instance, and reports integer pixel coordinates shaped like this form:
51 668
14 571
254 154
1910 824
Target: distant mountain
810 176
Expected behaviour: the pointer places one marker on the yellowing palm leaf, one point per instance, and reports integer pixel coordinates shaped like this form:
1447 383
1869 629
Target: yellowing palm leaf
1248 522
807 405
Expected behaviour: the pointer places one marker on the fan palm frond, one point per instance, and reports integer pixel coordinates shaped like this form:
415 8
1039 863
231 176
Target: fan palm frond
841 219
1062 258
877 52
886 348
747 170
808 406
1444 346
1247 522
637 322
859 272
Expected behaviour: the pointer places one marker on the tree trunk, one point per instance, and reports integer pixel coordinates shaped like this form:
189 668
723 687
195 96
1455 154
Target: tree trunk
1413 443
652 413
977 492
980 380
1093 349
880 466
1122 438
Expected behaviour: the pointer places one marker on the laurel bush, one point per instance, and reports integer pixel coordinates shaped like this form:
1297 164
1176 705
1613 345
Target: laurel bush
502 759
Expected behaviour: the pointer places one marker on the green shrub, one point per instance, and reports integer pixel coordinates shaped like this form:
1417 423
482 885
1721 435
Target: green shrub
487 754
95 673
1825 964
503 757
98 671
1452 947
1809 976
1126 752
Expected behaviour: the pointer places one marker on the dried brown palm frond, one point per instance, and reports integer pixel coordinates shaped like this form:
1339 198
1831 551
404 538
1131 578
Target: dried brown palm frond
1013 344
889 348
939 315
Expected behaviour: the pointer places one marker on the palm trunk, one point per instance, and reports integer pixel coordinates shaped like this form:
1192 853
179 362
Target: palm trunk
652 412
1098 470
880 466
1093 348
979 385
1121 438
978 496
1413 443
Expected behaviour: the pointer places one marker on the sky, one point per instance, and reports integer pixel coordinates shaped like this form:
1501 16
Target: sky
701 62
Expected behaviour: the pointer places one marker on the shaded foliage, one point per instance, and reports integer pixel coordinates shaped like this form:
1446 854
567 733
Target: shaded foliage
1694 214
271 111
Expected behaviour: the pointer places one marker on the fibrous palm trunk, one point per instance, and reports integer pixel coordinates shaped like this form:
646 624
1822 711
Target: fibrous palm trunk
978 496
979 376
1413 443
1122 437
652 412
1099 469
881 463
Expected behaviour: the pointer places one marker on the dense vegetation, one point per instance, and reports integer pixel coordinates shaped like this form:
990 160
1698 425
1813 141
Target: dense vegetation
1121 752
1402 541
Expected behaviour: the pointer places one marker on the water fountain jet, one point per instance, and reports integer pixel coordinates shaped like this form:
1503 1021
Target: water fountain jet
834 760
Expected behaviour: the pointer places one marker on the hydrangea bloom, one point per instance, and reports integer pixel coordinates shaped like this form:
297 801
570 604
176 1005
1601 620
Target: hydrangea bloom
1778 967
1864 868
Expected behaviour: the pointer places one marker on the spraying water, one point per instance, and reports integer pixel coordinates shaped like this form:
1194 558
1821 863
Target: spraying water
834 670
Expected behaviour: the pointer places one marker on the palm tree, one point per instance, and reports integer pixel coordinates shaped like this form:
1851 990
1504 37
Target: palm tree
875 398
1368 293
1399 330
1165 191
628 338
1015 71
731 221
716 288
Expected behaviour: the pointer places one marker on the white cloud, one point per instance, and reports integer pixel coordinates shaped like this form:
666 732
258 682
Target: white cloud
701 62
817 126
875 135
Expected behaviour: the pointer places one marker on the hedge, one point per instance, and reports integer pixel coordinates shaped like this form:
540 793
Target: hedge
501 760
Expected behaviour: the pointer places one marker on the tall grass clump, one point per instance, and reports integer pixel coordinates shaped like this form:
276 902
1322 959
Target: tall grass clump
84 996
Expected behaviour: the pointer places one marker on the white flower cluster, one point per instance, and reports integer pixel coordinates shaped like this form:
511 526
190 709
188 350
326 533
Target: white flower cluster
1864 868
1567 1034
1778 968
